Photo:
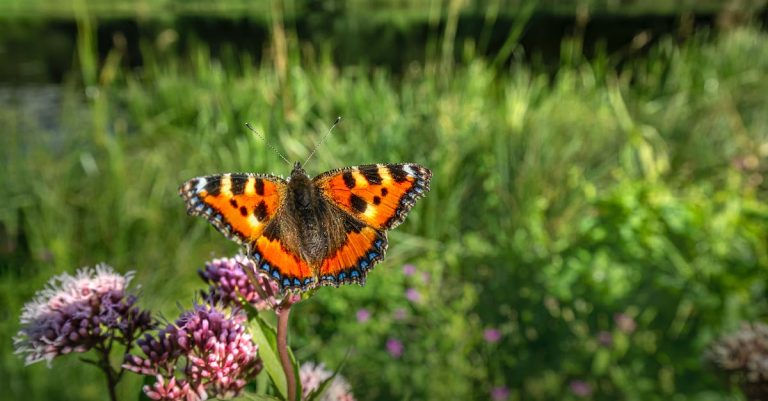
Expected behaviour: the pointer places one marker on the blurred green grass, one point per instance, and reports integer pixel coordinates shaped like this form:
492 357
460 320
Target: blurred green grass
558 201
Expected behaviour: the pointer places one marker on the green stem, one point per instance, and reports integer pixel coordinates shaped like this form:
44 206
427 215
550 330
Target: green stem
283 313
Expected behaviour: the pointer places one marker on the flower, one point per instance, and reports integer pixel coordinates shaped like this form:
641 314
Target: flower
399 314
78 313
363 315
312 376
500 393
492 335
605 338
395 347
210 350
625 322
409 270
743 357
228 282
580 388
412 295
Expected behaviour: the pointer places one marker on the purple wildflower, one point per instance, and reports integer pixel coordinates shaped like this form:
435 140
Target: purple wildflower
363 315
313 375
492 335
395 347
78 313
211 351
229 282
412 295
399 314
409 270
625 322
500 393
426 277
605 338
580 388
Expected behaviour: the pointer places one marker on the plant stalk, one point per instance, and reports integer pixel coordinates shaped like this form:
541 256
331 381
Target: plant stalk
283 313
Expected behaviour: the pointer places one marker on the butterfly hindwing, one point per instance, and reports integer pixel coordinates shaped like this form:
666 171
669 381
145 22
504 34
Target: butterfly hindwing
288 269
239 205
360 248
379 195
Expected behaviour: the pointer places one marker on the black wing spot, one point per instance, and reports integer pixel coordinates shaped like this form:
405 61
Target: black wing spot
259 187
260 211
238 186
358 204
243 211
398 174
384 192
371 175
213 188
349 179
376 200
233 202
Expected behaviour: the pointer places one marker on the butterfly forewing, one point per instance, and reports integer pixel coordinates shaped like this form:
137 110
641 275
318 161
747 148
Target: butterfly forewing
239 205
380 195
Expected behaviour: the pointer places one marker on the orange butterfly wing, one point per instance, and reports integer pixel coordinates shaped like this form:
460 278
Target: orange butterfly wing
376 197
239 205
379 195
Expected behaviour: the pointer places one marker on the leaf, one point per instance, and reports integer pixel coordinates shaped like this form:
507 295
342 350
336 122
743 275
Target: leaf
266 337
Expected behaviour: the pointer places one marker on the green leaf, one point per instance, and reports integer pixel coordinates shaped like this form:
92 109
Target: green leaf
266 337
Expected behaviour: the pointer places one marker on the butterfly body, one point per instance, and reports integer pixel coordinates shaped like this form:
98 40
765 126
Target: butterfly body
304 232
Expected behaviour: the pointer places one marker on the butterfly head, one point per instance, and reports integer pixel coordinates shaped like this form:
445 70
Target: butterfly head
298 170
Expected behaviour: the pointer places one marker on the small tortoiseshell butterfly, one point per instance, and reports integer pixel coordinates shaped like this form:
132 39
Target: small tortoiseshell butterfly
304 232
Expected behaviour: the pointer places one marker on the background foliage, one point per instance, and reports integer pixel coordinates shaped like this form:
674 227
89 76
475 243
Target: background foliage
606 213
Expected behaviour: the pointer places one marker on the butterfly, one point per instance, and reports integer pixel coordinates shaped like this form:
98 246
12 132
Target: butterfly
305 233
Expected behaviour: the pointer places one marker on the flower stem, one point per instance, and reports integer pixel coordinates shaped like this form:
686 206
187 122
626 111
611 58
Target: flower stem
109 373
283 313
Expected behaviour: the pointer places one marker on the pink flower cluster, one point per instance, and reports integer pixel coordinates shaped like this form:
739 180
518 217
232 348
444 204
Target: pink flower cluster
78 313
313 375
229 282
205 353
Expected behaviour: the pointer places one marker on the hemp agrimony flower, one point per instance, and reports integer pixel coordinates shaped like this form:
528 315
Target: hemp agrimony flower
229 282
205 353
78 313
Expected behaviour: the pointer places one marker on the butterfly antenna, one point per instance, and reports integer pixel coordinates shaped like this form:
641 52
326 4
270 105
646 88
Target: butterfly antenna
267 142
338 120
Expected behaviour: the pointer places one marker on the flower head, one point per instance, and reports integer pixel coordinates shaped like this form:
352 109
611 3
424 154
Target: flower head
605 338
313 375
395 347
75 313
218 354
500 393
412 295
492 335
363 315
228 281
409 270
580 388
743 355
625 322
399 314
